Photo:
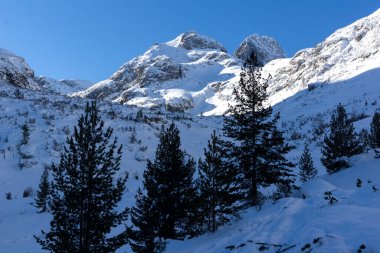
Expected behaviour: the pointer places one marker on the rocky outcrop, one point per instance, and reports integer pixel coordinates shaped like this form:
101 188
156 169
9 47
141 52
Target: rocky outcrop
266 49
15 71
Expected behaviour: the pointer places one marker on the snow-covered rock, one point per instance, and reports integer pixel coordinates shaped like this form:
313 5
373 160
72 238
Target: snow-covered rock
171 75
15 71
266 49
64 86
346 53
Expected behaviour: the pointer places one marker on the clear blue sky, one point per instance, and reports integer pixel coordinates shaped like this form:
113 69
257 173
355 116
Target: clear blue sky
90 39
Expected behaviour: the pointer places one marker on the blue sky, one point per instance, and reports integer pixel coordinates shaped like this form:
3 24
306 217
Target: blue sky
90 39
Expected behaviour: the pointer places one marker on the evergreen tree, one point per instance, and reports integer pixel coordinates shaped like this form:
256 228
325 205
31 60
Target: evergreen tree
277 169
250 125
168 182
307 169
219 194
85 192
43 192
144 233
341 143
375 130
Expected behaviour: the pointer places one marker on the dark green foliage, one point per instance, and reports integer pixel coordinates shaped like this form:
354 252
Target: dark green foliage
341 143
365 139
258 144
330 198
8 196
85 193
219 194
358 183
307 169
167 208
25 133
43 193
277 168
144 233
375 130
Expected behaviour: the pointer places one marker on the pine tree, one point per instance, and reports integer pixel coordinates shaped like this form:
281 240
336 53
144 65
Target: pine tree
219 194
277 169
85 192
144 233
250 125
307 169
169 186
375 130
43 192
341 143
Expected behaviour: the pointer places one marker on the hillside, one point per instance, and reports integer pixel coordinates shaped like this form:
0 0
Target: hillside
189 81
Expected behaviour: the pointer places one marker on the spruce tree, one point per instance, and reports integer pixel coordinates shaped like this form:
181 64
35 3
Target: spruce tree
85 192
144 236
375 130
43 192
341 143
277 169
219 194
307 169
170 190
252 128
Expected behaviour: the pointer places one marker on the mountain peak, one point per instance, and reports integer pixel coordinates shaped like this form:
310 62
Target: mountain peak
193 40
265 47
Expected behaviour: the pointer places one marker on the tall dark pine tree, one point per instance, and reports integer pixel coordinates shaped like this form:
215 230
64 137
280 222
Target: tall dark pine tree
170 191
219 192
43 192
251 126
341 143
375 130
85 192
307 169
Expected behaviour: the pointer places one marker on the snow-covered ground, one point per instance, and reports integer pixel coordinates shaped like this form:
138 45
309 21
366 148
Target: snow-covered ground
194 73
297 221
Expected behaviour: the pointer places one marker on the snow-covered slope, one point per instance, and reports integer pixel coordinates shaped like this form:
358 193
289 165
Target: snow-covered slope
348 52
64 86
292 223
191 73
195 74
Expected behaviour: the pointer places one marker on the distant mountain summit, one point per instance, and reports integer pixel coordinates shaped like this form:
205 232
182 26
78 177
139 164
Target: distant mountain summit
265 47
192 40
191 73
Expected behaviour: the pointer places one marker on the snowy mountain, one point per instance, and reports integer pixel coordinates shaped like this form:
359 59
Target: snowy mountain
191 73
348 52
195 74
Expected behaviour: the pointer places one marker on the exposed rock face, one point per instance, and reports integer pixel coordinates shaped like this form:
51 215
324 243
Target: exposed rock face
266 49
15 71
